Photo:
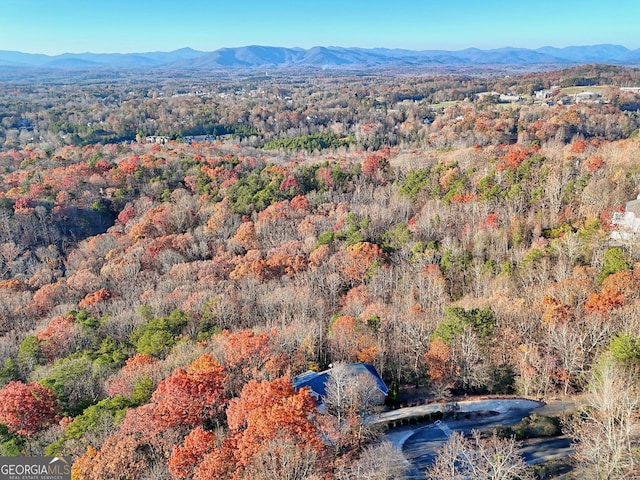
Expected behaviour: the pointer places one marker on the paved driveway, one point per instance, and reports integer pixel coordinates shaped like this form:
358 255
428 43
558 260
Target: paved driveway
420 445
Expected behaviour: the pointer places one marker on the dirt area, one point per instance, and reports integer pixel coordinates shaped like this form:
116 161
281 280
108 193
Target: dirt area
412 395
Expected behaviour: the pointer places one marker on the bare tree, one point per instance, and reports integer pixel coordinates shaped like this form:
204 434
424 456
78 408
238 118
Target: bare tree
479 458
284 459
604 431
348 400
377 462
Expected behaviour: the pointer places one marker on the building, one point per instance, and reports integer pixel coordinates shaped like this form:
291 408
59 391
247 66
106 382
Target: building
626 225
587 97
543 94
509 98
317 381
157 139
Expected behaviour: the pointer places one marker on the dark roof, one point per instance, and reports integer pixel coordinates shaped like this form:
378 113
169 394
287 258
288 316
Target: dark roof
317 381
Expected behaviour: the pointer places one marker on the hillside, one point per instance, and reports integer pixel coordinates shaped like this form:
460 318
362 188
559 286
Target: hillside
174 250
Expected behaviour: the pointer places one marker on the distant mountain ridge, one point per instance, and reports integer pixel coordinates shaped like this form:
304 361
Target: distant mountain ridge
256 56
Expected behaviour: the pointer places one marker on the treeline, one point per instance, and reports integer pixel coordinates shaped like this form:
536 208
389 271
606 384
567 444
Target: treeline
369 112
310 143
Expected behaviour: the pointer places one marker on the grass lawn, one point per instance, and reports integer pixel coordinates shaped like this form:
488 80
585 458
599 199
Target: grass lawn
574 90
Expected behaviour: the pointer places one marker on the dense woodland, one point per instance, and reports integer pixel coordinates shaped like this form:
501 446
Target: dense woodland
173 250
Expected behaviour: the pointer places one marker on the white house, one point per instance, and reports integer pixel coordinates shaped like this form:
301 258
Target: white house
626 225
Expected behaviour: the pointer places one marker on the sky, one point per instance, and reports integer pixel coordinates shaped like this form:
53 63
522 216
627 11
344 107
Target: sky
121 26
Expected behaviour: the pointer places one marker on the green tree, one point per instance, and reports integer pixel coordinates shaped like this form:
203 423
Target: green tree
30 354
614 261
625 349
158 335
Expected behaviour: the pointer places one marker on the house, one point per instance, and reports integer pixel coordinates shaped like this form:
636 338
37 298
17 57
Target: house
157 139
587 97
509 98
543 94
626 225
317 381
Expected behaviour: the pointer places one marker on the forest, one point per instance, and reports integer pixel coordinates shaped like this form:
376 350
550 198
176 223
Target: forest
175 250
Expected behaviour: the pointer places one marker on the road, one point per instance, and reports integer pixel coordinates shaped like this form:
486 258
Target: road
420 445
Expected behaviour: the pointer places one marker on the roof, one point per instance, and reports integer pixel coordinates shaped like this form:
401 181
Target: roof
633 206
317 381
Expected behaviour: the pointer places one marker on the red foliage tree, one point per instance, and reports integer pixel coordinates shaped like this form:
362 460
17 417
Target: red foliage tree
300 202
193 396
373 164
128 213
55 339
123 381
578 146
48 296
95 297
27 408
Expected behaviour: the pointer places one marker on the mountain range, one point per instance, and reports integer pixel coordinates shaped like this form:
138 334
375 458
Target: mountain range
272 57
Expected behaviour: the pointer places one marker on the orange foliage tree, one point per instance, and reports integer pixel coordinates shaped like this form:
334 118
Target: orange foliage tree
440 366
350 339
193 396
187 456
250 355
603 302
555 312
56 338
359 261
263 413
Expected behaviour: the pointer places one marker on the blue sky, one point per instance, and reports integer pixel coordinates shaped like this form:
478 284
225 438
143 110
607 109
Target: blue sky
59 26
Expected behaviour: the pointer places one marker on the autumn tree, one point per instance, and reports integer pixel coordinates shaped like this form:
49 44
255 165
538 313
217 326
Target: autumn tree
186 457
360 261
270 430
440 367
27 409
187 399
249 355
136 369
56 340
191 397
350 340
